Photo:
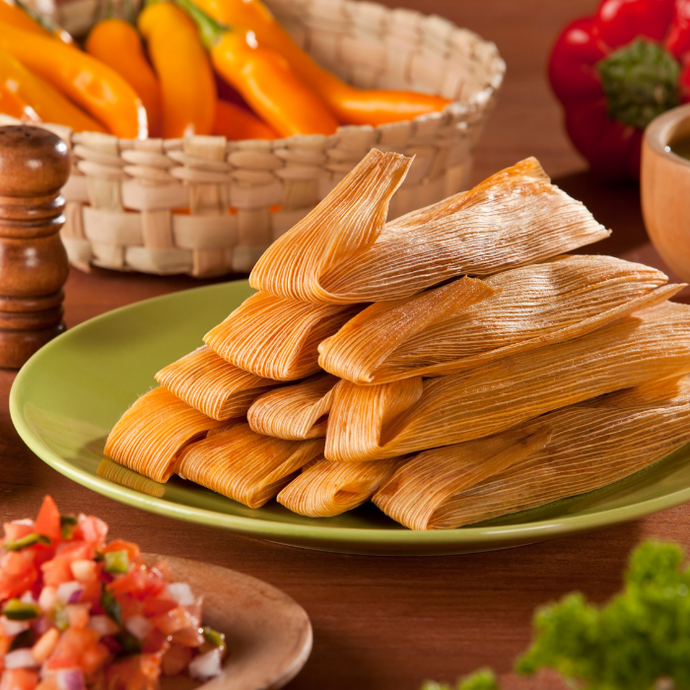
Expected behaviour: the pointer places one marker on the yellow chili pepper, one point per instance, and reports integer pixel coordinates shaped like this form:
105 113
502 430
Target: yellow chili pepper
101 91
12 104
350 104
49 104
188 88
263 78
116 43
19 16
235 123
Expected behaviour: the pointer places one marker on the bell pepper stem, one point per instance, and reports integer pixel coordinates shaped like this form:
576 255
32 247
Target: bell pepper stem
210 30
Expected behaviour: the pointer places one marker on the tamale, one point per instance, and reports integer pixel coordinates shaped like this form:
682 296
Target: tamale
119 474
591 444
515 217
151 434
277 338
294 412
211 385
653 343
457 326
346 221
326 488
245 466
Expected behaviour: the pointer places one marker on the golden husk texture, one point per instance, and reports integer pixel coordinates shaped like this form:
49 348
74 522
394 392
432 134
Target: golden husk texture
326 489
123 476
245 466
211 385
654 343
294 412
457 326
277 338
513 218
591 444
347 221
151 434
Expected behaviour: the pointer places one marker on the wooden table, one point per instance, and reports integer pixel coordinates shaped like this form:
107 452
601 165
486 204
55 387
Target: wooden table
389 623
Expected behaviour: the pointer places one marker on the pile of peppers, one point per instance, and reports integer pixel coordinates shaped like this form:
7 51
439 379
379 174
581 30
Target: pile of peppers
616 71
163 77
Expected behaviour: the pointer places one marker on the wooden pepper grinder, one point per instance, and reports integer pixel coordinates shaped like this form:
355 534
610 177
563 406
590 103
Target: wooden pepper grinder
34 165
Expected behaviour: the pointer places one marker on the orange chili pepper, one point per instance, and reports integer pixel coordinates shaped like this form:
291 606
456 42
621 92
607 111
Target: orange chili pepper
188 88
263 78
116 43
235 123
350 104
19 16
12 104
101 91
49 104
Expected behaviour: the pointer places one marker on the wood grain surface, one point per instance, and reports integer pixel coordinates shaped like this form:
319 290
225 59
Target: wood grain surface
389 623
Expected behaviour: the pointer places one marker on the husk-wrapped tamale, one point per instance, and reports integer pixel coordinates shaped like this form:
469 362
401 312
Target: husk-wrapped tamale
513 218
152 433
245 466
277 338
469 321
294 412
326 489
653 343
587 446
211 385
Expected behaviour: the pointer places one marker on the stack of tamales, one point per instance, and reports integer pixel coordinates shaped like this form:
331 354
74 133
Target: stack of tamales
452 365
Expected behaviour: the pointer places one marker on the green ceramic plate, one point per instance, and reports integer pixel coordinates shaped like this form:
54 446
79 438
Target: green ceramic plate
73 390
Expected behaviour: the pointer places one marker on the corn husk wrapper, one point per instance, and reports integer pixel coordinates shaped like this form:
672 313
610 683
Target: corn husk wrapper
123 476
152 433
245 466
346 222
513 218
294 412
469 322
591 444
326 489
277 338
211 385
654 343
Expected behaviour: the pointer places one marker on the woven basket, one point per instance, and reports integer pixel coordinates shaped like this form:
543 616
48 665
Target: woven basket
206 206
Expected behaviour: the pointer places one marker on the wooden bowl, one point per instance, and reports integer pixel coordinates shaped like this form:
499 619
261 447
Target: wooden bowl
665 189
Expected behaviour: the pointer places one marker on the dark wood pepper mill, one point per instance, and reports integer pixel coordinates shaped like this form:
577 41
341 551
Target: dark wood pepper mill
34 165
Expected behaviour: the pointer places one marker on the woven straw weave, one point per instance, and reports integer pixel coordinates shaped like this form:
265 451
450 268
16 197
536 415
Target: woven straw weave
207 206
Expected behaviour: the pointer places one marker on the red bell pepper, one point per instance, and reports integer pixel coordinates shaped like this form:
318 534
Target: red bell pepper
616 71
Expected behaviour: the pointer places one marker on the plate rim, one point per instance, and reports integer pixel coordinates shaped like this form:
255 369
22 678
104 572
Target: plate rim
271 530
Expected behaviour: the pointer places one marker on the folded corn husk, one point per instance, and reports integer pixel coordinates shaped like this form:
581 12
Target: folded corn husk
513 218
294 412
654 343
152 433
211 385
277 338
469 322
245 466
326 489
123 476
590 445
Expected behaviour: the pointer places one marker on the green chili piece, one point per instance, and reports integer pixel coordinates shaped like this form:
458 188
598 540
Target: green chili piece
129 643
16 610
111 606
67 524
217 639
116 562
28 540
24 639
60 616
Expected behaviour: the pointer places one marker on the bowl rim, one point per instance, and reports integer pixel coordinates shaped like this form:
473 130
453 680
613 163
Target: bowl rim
664 128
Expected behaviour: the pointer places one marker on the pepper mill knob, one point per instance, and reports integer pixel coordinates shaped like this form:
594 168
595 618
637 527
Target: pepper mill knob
34 165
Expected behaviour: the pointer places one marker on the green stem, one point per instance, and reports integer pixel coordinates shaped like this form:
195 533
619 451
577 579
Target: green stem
210 30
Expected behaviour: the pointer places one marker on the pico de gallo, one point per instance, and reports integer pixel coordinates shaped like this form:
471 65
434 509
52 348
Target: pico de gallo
80 612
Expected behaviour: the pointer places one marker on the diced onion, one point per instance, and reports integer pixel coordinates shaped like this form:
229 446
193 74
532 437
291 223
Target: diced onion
103 625
181 592
27 598
70 592
70 679
83 570
11 628
42 625
47 598
206 665
138 626
20 658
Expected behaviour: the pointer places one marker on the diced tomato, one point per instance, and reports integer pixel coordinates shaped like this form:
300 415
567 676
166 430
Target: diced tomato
48 683
189 637
91 529
139 672
4 644
56 572
18 529
176 659
78 647
156 641
92 595
139 582
18 679
17 573
76 551
129 606
48 521
133 551
94 657
153 606
174 620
